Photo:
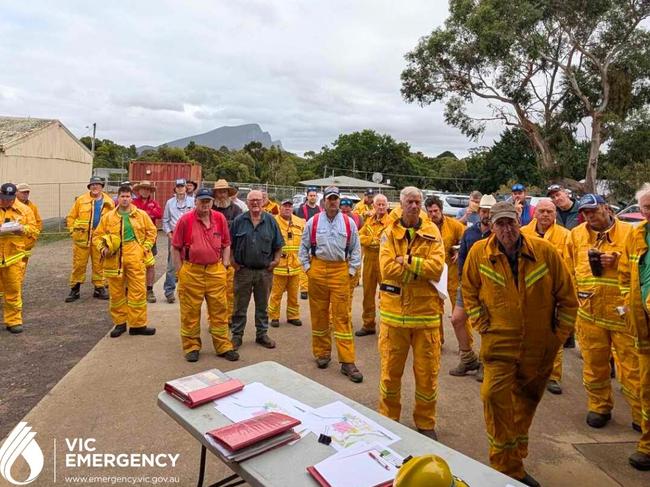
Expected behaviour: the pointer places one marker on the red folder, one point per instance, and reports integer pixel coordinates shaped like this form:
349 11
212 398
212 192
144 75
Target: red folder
244 433
197 389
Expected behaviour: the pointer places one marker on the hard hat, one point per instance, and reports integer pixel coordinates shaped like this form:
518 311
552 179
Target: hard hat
429 470
112 242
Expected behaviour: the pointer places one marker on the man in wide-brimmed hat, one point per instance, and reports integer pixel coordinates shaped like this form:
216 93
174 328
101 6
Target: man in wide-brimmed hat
223 193
146 202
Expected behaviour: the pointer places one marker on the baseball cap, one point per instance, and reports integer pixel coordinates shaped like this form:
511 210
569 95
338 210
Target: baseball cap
8 191
346 201
487 201
369 192
553 188
331 191
503 209
204 194
518 187
181 182
312 188
287 201
20 187
590 201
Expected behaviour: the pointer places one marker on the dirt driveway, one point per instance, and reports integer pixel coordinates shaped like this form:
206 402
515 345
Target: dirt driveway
57 334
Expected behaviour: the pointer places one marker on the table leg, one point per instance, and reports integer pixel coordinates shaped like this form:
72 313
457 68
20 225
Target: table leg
201 467
221 483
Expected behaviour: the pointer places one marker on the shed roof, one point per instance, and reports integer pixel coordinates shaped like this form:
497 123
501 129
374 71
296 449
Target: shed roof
344 182
14 129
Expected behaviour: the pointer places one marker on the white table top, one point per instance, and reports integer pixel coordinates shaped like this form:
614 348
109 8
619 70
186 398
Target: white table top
286 466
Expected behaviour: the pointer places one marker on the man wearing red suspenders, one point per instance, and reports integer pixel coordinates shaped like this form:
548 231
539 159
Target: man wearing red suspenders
305 211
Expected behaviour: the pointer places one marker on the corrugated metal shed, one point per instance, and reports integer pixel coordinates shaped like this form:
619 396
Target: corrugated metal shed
164 175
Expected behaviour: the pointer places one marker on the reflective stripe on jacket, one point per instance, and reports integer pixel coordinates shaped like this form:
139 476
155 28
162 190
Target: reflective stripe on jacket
289 263
13 247
371 232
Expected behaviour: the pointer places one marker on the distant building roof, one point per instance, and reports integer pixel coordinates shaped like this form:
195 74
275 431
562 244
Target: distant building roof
344 182
14 128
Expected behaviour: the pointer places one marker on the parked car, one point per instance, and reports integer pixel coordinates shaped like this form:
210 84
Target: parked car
631 214
451 203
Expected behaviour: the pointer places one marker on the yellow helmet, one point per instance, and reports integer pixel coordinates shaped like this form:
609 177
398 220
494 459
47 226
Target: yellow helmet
429 470
112 242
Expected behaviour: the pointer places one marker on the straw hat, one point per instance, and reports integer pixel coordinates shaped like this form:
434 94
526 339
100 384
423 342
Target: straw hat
144 185
223 184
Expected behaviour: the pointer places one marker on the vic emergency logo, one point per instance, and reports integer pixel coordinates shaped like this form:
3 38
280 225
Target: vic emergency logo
21 442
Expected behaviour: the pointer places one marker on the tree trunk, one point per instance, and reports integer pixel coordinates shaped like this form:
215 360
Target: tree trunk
540 145
594 152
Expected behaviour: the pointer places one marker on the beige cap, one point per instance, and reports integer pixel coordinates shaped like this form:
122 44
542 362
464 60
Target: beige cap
503 209
487 201
20 187
223 184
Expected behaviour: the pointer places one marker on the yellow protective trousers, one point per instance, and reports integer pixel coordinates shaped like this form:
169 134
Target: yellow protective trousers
556 374
644 392
129 308
11 283
596 345
510 392
197 283
371 279
394 344
230 292
282 283
329 293
304 282
80 257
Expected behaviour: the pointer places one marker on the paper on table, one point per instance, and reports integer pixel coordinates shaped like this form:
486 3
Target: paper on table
441 285
347 426
256 398
361 465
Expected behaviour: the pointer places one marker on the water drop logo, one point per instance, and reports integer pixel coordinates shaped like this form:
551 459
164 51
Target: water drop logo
21 442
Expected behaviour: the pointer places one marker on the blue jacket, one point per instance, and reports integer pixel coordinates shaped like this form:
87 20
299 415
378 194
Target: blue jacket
472 235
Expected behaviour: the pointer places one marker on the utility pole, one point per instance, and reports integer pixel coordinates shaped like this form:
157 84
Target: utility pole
325 171
92 143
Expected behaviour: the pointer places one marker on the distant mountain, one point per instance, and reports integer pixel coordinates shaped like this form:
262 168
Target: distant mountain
232 137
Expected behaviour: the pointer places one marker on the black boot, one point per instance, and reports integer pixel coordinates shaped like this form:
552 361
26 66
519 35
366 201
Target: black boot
143 330
74 293
118 330
100 293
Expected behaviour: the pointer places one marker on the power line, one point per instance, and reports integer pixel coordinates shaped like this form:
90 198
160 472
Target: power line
403 175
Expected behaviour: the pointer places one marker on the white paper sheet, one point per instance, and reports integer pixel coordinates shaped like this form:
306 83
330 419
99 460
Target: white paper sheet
441 285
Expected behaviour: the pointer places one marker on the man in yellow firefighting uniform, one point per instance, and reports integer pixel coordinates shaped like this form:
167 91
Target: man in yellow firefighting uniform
268 205
201 254
286 275
17 233
365 207
411 255
23 196
83 219
370 237
544 226
594 249
124 238
330 254
634 280
519 295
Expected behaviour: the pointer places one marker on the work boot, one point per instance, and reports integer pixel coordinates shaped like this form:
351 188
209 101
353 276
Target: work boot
364 332
275 323
192 356
143 330
479 372
323 362
598 420
468 362
570 342
295 322
118 330
554 387
529 480
352 372
640 461
236 342
100 293
636 427
429 434
265 341
15 329
74 293
230 355
170 298
303 295
151 297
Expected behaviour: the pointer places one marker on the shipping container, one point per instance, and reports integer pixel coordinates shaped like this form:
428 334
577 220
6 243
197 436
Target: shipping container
164 175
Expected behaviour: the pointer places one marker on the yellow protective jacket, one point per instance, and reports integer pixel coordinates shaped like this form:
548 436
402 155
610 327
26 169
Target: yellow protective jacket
37 215
111 225
363 210
557 235
506 313
636 316
407 298
80 219
272 208
289 264
452 232
13 248
598 296
371 232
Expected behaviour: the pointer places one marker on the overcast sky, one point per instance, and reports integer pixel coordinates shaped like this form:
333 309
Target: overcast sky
152 71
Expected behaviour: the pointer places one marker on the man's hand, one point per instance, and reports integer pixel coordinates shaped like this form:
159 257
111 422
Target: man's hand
235 265
399 259
104 252
170 235
272 265
226 263
519 207
454 258
609 260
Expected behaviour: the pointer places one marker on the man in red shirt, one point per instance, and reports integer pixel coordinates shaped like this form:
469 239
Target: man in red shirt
201 253
146 202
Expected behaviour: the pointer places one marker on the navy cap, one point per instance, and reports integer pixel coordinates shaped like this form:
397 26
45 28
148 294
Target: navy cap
287 201
312 188
346 201
331 191
518 187
369 192
95 180
590 201
8 191
204 194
